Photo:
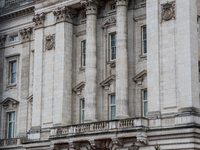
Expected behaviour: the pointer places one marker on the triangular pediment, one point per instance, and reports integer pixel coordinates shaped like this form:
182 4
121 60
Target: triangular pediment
79 87
140 76
108 80
8 101
108 22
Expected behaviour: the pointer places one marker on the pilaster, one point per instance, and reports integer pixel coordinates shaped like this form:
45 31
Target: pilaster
38 74
121 61
25 57
63 65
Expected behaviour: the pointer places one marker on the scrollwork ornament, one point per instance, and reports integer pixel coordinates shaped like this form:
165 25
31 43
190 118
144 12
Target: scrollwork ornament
50 42
168 11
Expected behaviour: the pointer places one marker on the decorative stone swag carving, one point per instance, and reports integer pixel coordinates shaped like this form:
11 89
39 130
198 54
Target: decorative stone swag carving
26 34
64 14
2 40
50 42
168 11
73 145
108 22
92 6
39 20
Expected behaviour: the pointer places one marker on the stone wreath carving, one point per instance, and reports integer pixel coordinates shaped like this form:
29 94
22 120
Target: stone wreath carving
50 42
168 11
108 22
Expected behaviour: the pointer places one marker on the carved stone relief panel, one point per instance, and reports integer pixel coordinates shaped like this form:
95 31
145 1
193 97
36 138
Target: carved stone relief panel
50 42
168 11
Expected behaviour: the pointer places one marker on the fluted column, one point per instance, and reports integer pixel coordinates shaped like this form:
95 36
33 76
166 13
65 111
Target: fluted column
63 66
90 69
121 61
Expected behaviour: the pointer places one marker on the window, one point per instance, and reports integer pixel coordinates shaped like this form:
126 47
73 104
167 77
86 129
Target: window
145 102
11 125
13 69
14 38
112 6
82 110
144 40
113 46
112 107
83 53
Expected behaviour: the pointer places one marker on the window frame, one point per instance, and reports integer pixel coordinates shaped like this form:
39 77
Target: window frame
82 109
111 105
142 39
8 123
110 46
144 101
82 54
12 72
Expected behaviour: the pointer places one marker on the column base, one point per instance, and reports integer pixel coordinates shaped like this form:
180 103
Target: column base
122 117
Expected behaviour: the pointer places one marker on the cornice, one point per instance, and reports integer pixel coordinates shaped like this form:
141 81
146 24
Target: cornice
17 13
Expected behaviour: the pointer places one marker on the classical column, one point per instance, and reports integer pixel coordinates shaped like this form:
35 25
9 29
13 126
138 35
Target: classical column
63 65
38 61
121 61
90 69
25 57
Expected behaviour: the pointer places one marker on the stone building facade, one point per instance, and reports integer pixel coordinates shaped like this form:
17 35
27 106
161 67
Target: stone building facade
99 74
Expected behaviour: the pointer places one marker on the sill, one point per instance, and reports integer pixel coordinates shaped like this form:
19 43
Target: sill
10 86
143 56
82 69
112 12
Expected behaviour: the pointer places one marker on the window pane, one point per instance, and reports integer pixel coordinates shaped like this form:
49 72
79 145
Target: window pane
13 78
113 112
145 108
83 116
145 95
112 99
83 104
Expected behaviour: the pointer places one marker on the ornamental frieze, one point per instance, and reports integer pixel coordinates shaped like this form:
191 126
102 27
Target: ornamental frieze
50 42
26 34
168 11
39 20
64 14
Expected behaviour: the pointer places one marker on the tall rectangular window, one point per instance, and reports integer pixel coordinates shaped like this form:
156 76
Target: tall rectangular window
83 53
13 72
82 110
11 125
112 107
145 102
144 40
113 46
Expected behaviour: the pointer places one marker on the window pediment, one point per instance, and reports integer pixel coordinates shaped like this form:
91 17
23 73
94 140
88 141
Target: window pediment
106 83
9 102
109 22
140 76
78 89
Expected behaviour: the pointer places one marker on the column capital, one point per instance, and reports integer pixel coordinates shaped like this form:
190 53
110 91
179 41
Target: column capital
121 2
39 20
64 14
92 6
26 34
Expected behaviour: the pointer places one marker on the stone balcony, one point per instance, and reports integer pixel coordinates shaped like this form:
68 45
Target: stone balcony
99 127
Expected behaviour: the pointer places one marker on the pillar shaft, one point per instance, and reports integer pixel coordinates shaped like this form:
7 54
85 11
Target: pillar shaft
121 61
90 69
